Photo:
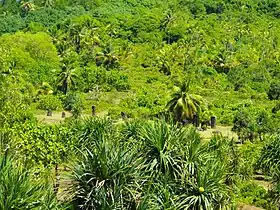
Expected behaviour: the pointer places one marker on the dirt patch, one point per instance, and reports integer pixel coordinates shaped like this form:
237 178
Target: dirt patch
248 207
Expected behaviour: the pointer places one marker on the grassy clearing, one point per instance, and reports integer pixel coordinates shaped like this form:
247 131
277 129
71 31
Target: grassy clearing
224 131
56 117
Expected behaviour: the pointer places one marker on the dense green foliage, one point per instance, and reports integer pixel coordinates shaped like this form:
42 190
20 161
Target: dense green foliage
161 63
147 47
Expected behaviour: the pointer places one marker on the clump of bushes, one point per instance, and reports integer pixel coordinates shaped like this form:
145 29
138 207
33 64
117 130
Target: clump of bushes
73 102
253 194
274 91
49 102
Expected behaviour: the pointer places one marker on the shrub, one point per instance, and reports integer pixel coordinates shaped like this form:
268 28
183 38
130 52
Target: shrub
21 189
253 194
11 24
73 102
276 108
245 125
46 145
270 156
106 176
49 102
274 91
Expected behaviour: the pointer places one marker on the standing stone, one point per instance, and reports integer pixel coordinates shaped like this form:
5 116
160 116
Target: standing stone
196 120
124 115
63 115
213 122
93 109
49 113
185 122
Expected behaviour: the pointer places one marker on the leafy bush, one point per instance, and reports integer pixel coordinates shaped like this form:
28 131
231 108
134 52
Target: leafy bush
73 102
11 24
253 194
46 145
49 102
276 108
244 124
274 91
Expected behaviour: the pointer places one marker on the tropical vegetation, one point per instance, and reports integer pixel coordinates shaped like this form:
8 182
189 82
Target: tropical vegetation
132 89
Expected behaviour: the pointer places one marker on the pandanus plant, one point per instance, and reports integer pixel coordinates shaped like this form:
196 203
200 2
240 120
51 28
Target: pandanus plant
19 187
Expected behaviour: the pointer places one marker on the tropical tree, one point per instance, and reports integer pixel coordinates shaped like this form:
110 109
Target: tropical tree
49 3
184 104
107 57
167 22
66 79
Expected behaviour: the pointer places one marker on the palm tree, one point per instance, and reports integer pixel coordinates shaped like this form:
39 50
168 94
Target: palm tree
168 19
66 79
184 104
107 58
166 22
48 3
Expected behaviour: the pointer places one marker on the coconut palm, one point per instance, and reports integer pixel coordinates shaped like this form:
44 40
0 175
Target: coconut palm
66 79
107 58
49 3
168 19
184 104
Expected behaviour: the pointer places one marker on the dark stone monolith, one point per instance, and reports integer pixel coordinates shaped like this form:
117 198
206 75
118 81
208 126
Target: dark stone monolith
213 122
196 120
124 115
185 122
93 109
49 113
